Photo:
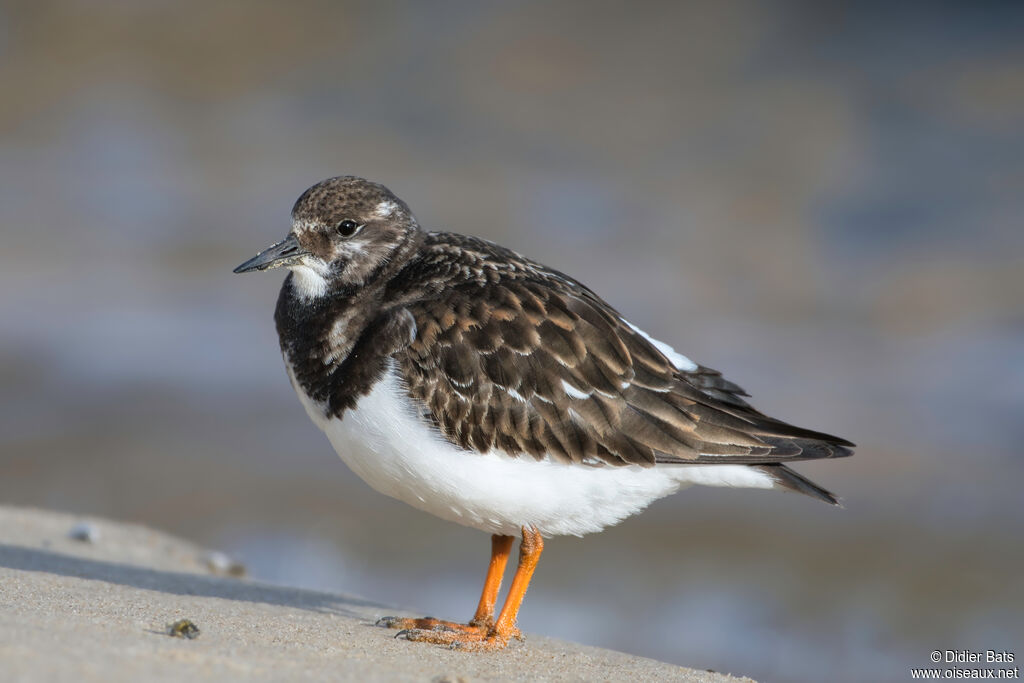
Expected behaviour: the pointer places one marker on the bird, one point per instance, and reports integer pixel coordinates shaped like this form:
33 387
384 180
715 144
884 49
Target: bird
490 390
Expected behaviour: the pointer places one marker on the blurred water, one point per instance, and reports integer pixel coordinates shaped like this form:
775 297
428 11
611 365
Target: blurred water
824 203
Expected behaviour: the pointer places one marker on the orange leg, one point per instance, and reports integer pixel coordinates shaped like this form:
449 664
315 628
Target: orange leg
529 553
483 620
501 547
496 637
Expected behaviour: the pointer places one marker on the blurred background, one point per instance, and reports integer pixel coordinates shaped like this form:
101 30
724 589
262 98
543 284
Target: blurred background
825 202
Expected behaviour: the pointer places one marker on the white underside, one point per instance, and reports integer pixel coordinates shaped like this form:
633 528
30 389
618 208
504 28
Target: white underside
401 455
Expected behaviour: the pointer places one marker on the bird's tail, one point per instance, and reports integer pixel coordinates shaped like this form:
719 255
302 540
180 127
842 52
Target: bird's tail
789 479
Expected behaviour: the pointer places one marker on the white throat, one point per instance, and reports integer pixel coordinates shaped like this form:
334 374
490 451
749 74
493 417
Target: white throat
307 282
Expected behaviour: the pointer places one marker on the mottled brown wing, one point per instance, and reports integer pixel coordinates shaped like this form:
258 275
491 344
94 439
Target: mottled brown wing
536 363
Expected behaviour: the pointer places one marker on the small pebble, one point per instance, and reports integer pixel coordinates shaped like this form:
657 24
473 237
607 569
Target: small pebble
183 628
220 563
87 532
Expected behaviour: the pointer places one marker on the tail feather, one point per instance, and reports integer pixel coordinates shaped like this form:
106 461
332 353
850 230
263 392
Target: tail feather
791 480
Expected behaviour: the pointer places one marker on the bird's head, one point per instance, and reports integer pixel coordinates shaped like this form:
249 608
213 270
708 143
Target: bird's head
344 230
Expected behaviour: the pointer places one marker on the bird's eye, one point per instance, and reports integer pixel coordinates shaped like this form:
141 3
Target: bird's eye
348 227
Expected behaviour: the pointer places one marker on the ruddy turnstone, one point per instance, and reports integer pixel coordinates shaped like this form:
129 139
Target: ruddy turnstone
493 391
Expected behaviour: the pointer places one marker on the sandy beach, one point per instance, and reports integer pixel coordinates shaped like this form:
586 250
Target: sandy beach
98 607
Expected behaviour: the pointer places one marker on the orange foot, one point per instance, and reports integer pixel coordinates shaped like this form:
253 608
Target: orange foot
476 639
431 624
483 632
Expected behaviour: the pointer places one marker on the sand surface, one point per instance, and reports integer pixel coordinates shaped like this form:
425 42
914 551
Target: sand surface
98 609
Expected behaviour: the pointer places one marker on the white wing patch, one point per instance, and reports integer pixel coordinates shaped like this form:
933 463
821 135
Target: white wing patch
679 360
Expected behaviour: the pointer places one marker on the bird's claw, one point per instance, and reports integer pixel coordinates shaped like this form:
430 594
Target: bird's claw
465 641
428 635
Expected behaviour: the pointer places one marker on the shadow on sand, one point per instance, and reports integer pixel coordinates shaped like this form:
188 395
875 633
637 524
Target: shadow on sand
183 583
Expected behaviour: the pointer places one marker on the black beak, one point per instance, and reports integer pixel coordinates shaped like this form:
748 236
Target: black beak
284 253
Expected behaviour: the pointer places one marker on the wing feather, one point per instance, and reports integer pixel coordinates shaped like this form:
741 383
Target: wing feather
527 360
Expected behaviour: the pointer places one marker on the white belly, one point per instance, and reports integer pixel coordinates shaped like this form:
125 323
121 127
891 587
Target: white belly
399 454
